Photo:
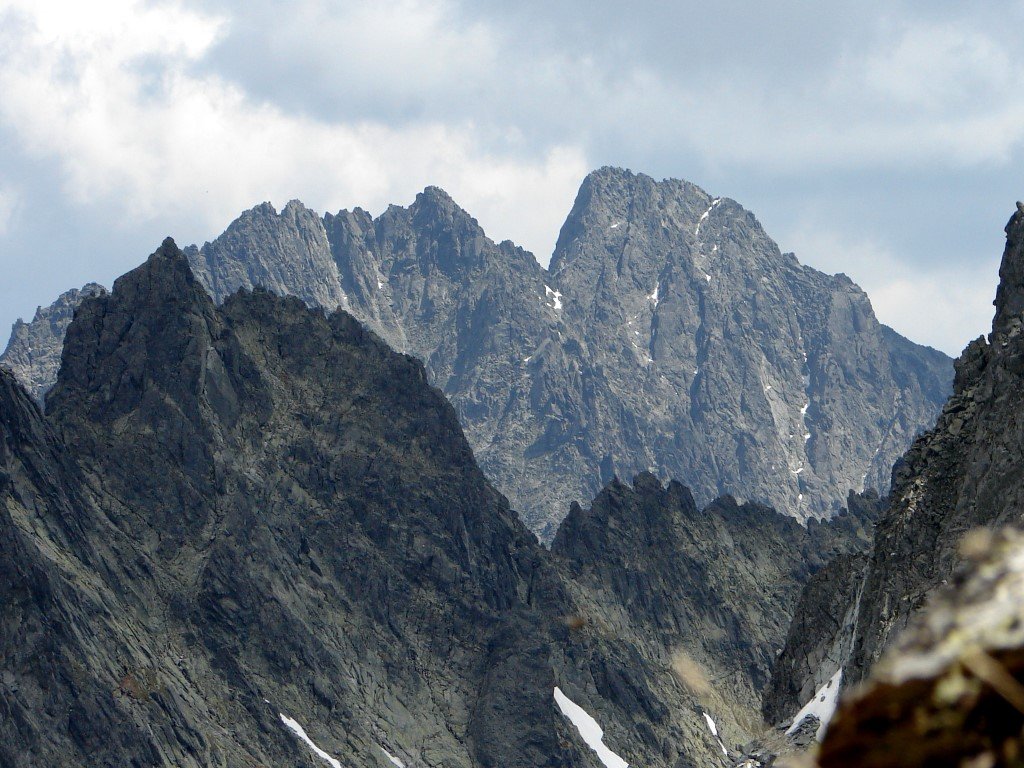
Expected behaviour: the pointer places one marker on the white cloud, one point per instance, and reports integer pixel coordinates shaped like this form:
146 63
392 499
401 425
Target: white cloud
936 67
171 115
115 99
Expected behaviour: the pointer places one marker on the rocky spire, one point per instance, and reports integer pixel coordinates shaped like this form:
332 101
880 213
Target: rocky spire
1009 299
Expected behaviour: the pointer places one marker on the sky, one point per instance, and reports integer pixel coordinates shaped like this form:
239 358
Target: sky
884 140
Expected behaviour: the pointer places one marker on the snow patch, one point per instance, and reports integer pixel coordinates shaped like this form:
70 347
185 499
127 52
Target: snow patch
653 295
797 471
555 296
803 411
299 731
714 732
380 284
822 706
589 730
703 216
394 760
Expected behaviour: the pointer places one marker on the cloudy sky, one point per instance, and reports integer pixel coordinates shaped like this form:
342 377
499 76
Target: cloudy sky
881 139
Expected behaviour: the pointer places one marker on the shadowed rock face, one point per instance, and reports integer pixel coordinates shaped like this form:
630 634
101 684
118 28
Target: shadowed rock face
229 514
718 584
669 335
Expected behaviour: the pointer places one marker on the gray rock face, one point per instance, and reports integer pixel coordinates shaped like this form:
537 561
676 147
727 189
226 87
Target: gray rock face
563 378
33 351
740 370
670 335
966 472
235 514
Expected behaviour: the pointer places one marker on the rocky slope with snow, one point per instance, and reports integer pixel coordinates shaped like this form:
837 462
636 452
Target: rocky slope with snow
669 335
717 585
254 534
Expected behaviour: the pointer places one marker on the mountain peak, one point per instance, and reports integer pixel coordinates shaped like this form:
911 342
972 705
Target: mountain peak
167 264
1009 301
436 194
612 202
162 322
434 201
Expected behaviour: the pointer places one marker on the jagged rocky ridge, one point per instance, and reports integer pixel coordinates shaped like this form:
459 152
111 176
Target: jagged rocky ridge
669 335
964 473
33 351
233 515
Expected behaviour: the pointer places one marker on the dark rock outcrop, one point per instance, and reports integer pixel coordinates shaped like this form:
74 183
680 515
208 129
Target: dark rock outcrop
948 691
670 335
33 351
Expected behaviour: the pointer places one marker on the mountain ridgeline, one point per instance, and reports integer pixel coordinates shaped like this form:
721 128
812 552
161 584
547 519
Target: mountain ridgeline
252 534
669 335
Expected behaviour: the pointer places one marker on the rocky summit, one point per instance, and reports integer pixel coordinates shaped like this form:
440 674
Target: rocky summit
253 534
670 335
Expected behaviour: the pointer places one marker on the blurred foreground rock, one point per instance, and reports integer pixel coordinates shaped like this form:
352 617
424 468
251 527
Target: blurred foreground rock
948 692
